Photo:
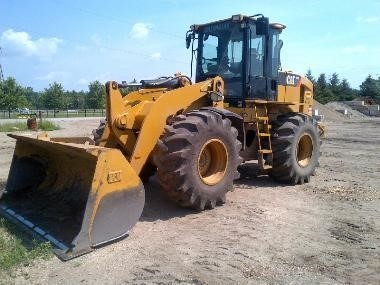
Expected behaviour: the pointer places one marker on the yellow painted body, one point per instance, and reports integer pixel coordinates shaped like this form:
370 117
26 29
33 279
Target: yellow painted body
84 195
299 98
135 122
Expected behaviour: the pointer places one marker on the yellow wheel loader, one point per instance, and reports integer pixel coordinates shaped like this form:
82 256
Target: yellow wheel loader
79 193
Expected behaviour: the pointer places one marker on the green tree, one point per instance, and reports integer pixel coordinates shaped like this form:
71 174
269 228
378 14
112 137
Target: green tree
75 99
310 76
334 82
322 82
81 99
333 90
12 95
370 88
95 97
32 97
346 93
322 92
54 97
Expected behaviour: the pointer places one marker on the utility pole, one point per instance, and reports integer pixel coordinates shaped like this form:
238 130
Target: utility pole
2 80
1 69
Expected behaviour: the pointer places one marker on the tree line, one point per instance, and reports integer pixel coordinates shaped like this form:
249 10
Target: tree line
13 95
336 89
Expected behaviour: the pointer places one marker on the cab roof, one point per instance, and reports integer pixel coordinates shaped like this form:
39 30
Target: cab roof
238 18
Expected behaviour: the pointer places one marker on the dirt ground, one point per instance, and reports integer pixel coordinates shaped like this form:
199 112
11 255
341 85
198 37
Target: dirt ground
323 232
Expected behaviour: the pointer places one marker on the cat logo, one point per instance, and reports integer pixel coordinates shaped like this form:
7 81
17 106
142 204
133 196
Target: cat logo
114 176
292 79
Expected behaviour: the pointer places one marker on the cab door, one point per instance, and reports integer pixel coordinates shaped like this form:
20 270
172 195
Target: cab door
256 59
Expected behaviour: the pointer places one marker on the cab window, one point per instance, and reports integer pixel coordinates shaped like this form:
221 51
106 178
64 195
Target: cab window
222 52
256 54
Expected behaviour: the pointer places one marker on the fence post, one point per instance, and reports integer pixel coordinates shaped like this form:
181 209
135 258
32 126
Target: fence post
85 112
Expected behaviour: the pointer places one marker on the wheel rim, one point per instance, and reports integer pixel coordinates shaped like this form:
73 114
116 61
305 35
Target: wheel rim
212 161
304 150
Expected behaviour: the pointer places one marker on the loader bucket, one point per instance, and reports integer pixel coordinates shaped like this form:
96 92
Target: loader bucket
77 196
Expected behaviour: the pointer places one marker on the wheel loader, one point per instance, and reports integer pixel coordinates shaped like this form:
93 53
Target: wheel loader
80 193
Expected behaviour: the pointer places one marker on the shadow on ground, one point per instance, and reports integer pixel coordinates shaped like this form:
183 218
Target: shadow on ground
158 207
250 175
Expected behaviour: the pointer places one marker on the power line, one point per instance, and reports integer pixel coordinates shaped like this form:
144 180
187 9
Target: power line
108 18
127 51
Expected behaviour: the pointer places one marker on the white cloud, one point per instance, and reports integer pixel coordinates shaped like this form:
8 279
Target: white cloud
53 75
140 30
82 48
24 44
95 42
368 19
355 49
102 78
156 56
95 38
83 81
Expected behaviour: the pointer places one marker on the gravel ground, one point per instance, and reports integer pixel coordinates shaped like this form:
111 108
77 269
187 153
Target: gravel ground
326 231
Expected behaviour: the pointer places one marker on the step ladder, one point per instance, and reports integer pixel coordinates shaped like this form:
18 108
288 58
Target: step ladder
264 152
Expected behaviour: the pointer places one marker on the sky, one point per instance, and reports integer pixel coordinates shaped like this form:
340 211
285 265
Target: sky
77 42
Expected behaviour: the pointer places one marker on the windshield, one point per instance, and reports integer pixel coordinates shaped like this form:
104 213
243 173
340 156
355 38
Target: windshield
222 50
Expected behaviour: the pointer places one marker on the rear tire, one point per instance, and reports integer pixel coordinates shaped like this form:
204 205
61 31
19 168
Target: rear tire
296 148
197 159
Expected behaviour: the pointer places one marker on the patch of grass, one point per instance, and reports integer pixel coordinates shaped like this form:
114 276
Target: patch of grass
12 127
16 248
46 125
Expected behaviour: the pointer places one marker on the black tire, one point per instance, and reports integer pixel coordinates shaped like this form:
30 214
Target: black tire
197 159
148 170
296 148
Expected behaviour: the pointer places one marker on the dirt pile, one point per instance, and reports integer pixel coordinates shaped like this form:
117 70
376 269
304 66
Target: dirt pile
329 114
351 113
338 112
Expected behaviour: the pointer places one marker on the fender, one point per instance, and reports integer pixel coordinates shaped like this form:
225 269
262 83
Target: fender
236 121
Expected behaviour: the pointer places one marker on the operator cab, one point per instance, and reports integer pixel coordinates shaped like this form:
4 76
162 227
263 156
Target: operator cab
244 51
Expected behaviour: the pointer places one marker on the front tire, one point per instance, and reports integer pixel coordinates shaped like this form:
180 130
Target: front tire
296 148
197 159
98 132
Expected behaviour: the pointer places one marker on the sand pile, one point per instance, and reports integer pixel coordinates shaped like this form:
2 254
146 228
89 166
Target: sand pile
335 111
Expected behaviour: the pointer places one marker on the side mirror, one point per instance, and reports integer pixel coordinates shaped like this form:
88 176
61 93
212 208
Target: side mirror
262 26
189 37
